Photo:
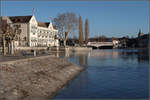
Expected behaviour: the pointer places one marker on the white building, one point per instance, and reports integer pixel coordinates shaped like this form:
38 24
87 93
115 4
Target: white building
34 33
115 43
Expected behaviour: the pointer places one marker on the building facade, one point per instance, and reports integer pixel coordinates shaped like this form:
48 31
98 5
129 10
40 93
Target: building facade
34 33
143 40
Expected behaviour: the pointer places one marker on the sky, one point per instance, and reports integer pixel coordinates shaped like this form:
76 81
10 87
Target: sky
109 18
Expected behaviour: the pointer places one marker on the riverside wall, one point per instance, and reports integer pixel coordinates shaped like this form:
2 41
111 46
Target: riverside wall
39 77
80 49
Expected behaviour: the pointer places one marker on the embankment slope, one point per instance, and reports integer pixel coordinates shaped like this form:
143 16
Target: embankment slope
39 77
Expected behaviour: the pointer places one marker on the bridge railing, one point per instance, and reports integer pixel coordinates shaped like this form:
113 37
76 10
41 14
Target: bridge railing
98 43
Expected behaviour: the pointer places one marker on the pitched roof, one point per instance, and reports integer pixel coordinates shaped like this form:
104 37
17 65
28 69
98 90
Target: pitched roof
20 19
41 24
26 19
46 24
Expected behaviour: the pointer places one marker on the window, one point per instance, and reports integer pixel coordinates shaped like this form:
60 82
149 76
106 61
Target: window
33 29
25 38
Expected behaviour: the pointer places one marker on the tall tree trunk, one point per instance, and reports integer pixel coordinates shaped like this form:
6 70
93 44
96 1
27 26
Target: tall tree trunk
65 43
9 47
80 31
65 39
86 31
4 48
12 47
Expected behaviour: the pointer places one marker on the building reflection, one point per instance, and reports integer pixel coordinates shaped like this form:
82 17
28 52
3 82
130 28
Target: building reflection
143 56
104 54
83 61
80 58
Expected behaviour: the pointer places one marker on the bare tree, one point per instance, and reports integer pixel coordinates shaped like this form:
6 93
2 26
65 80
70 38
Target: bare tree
3 31
8 34
14 36
66 24
86 30
102 38
80 31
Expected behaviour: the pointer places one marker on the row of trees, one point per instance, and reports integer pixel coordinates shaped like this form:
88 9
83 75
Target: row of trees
8 35
67 23
81 38
101 38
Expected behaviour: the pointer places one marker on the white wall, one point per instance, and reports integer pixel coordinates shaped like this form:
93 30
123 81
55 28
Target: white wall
32 35
33 32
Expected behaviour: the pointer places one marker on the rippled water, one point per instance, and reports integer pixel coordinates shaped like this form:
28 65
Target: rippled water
109 74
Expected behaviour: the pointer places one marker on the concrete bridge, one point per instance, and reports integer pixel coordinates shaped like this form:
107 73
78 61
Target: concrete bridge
100 44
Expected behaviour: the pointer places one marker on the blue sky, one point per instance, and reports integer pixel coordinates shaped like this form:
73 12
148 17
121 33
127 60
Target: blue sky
109 18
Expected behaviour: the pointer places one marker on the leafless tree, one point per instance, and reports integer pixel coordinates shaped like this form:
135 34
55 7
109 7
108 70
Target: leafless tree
103 38
3 31
14 36
80 31
66 24
86 30
8 35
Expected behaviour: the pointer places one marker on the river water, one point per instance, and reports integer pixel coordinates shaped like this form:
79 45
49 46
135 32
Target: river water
109 74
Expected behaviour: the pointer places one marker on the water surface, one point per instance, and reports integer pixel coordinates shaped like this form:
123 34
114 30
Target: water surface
120 74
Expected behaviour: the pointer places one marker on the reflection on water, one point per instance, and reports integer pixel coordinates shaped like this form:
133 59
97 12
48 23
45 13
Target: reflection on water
109 74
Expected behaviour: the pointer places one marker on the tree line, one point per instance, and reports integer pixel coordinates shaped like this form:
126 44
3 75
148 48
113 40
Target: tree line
8 34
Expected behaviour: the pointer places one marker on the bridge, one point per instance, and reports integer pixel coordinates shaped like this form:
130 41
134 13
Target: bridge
100 44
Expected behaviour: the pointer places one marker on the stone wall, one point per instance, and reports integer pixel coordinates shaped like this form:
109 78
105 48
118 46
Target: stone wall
79 49
30 48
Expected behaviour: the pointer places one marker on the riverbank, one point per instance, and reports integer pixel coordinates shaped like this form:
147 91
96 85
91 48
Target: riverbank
72 49
80 49
39 77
